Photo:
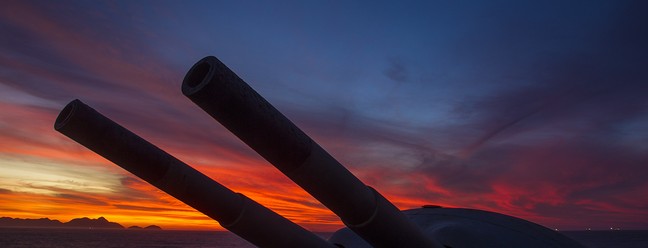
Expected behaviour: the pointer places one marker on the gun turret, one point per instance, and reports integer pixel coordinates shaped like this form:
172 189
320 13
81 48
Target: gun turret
371 219
235 212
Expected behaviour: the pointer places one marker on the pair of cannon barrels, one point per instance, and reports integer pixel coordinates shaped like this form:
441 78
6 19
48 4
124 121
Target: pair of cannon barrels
232 102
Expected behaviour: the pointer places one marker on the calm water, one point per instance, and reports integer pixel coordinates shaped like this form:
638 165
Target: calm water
76 238
71 238
611 239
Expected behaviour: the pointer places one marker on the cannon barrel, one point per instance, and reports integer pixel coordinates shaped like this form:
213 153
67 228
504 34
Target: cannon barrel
233 103
233 211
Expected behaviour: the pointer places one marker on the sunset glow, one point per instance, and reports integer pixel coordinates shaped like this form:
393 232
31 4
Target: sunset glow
537 112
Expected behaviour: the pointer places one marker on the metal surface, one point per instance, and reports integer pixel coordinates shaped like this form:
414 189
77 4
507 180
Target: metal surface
462 228
233 211
233 103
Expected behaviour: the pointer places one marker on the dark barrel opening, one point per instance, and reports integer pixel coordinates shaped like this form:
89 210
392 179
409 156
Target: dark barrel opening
65 114
197 74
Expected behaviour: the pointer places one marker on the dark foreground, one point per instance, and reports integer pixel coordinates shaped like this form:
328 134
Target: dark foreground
76 238
611 239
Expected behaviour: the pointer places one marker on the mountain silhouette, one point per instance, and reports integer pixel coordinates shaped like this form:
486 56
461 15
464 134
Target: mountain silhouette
151 227
42 222
85 223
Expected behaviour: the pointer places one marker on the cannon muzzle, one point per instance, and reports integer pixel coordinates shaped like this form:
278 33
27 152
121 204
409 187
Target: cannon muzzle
235 212
233 103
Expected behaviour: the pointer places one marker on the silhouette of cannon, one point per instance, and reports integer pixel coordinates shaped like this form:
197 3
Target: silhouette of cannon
371 220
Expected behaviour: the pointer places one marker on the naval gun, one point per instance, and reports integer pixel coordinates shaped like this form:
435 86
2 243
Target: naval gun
235 212
371 220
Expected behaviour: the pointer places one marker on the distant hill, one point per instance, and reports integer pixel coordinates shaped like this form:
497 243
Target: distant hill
151 227
85 223
43 222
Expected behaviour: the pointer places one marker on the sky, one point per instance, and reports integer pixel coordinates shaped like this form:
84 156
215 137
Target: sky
535 110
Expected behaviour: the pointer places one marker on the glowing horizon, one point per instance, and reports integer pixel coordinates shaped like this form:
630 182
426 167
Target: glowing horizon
522 109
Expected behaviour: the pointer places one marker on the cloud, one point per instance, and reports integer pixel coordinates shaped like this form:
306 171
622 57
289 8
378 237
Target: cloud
43 176
81 199
142 208
549 180
396 71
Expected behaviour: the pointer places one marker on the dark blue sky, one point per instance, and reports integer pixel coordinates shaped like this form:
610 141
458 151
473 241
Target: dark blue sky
537 110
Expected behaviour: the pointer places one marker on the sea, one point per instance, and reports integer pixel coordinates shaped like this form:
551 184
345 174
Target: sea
96 238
